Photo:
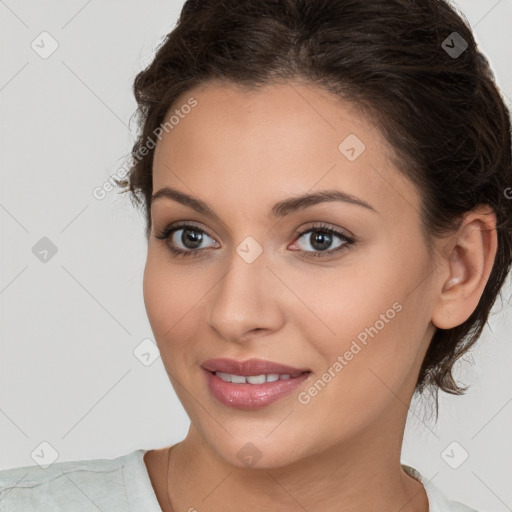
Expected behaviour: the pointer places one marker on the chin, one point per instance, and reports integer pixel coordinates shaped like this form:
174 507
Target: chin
257 454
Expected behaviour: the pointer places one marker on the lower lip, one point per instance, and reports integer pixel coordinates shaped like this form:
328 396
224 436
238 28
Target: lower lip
251 396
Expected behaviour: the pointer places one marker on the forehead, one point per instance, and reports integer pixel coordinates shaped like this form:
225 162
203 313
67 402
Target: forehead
256 146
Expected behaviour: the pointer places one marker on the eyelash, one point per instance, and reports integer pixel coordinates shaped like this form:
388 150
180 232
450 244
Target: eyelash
168 231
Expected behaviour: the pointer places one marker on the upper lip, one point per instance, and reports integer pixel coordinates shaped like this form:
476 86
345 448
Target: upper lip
250 367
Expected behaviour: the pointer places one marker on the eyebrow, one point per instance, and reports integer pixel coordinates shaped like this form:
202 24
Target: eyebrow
280 209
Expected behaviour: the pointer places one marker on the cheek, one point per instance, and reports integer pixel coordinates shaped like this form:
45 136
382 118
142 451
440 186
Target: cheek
363 367
169 300
367 301
339 304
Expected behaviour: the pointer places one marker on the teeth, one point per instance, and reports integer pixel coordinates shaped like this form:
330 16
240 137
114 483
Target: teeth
252 379
257 379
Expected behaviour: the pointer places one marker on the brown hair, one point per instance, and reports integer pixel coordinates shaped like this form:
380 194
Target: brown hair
434 100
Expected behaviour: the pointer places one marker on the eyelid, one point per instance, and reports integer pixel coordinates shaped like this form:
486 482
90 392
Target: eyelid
184 224
319 225
173 227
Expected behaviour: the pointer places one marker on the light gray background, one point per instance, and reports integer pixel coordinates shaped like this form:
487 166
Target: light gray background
69 326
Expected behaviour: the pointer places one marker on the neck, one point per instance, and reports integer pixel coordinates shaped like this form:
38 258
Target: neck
362 472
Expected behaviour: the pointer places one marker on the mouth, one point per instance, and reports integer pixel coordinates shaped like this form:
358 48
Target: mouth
251 384
251 368
255 379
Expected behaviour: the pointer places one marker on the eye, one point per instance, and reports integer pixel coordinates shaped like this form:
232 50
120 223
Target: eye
191 237
320 238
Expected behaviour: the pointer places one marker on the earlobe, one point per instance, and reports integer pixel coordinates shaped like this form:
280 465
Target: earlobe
468 267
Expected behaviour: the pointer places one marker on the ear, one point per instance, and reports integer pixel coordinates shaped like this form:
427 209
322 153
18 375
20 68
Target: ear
465 267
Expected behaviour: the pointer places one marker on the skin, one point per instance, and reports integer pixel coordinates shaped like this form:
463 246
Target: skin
241 151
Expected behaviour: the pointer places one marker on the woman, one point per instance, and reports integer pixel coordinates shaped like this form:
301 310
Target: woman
325 190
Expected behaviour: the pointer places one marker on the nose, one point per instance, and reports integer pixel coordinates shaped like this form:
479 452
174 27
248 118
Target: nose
247 301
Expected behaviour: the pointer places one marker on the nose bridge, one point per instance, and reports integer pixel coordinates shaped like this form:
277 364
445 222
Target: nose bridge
246 296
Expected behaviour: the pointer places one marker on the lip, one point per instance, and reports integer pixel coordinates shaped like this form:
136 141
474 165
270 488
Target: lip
251 396
250 367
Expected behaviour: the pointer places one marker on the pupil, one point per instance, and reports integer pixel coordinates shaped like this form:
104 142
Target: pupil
321 236
190 235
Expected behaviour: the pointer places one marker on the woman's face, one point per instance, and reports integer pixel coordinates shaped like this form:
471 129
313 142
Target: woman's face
358 318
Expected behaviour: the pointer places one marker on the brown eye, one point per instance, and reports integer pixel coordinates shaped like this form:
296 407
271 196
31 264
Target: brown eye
190 236
187 243
321 238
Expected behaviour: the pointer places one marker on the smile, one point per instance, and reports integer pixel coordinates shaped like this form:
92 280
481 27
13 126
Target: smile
253 391
254 379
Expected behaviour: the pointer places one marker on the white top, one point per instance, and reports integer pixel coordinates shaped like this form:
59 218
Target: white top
117 485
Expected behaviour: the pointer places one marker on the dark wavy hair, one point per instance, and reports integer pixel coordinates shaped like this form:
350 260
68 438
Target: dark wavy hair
434 100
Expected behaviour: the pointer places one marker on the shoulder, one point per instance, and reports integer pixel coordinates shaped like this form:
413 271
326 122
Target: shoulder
73 485
438 501
460 507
